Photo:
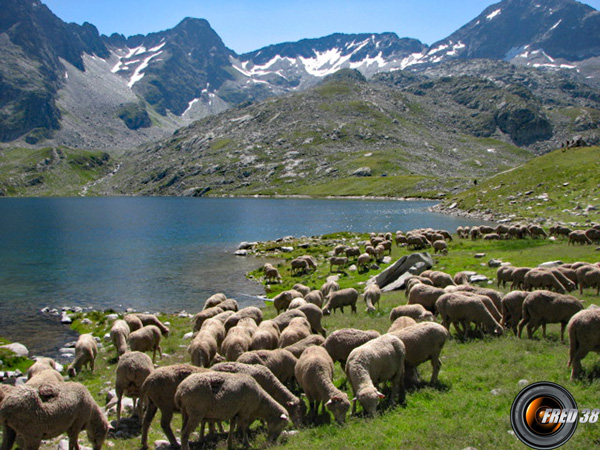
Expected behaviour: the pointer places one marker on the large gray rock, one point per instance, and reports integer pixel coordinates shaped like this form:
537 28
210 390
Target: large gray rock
394 277
17 349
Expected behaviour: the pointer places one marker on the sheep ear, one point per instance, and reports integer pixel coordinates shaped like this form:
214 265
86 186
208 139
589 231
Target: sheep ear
380 395
329 402
354 399
283 417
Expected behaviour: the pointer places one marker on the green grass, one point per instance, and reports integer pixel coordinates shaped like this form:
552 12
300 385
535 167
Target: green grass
479 377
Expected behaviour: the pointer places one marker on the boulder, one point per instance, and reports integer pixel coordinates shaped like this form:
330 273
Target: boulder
394 276
17 349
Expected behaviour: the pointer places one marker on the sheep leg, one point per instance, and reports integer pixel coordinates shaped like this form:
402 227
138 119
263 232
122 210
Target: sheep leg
119 397
563 325
436 364
8 437
147 420
189 424
73 434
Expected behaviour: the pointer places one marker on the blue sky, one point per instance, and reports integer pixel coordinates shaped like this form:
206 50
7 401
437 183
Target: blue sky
249 25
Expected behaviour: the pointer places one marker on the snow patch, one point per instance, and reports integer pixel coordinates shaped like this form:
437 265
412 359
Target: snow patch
494 14
158 47
138 74
556 24
190 104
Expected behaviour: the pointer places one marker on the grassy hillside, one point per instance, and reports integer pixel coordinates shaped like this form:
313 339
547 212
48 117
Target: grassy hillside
57 171
558 186
478 381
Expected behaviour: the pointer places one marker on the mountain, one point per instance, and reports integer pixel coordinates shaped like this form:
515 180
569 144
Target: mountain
64 84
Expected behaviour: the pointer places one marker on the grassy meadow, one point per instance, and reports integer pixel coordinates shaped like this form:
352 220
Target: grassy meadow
479 379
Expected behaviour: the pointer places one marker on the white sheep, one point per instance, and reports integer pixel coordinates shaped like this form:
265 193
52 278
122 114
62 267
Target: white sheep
215 299
146 339
279 361
132 370
133 322
299 266
375 362
206 314
35 413
339 261
266 336
158 392
425 295
541 278
440 246
298 329
41 363
249 312
297 303
329 286
86 351
339 299
315 297
314 373
151 319
314 315
416 311
423 342
282 300
238 339
203 348
543 307
298 347
229 304
304 290
458 308
341 342
47 376
584 337
235 397
400 323
272 274
512 307
119 334
371 295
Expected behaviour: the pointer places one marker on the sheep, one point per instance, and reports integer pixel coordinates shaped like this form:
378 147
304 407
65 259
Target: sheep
151 319
492 237
297 348
339 261
352 252
297 303
215 299
229 304
518 277
363 261
133 322
272 275
283 320
440 246
86 351
341 342
339 299
593 235
541 278
441 279
416 311
158 392
457 307
251 312
339 249
145 339
298 329
314 373
216 328
583 337
315 297
35 413
371 295
460 278
279 361
227 396
119 333
203 348
223 316
311 261
423 342
493 295
299 266
46 376
266 336
578 237
588 277
295 407
559 230
238 339
132 370
328 287
304 290
413 280
542 307
512 306
487 301
401 322
425 295
40 364
504 275
282 300
374 362
5 391
206 314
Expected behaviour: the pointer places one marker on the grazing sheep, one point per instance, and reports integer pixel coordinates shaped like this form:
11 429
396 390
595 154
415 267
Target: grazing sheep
512 307
314 315
518 277
504 275
119 333
47 376
272 275
413 281
457 308
460 278
282 300
537 231
401 322
328 287
371 296
493 295
339 299
35 413
352 252
341 342
374 362
132 370
440 279
40 364
299 266
204 315
440 246
279 361
151 319
339 249
133 322
578 237
251 312
559 230
146 339
203 348
223 316
297 348
314 373
593 235
423 342
283 320
543 307
422 294
544 279
86 351
236 397
297 303
229 304
584 337
215 327
363 261
294 406
266 336
416 312
315 297
588 277
339 261
298 329
158 392
5 391
492 237
238 339
215 300
304 290
311 261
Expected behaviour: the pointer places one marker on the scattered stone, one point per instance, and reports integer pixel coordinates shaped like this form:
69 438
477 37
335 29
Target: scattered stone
453 205
86 321
129 310
478 279
479 255
333 278
162 445
106 337
241 253
352 268
17 349
550 264
394 276
362 172
188 335
67 351
494 263
287 249
386 259
497 391
374 267
112 317
523 383
65 318
246 245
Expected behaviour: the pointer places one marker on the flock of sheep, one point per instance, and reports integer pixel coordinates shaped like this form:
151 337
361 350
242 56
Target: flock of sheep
244 368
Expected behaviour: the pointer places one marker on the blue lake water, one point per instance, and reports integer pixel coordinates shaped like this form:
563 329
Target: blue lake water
157 254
